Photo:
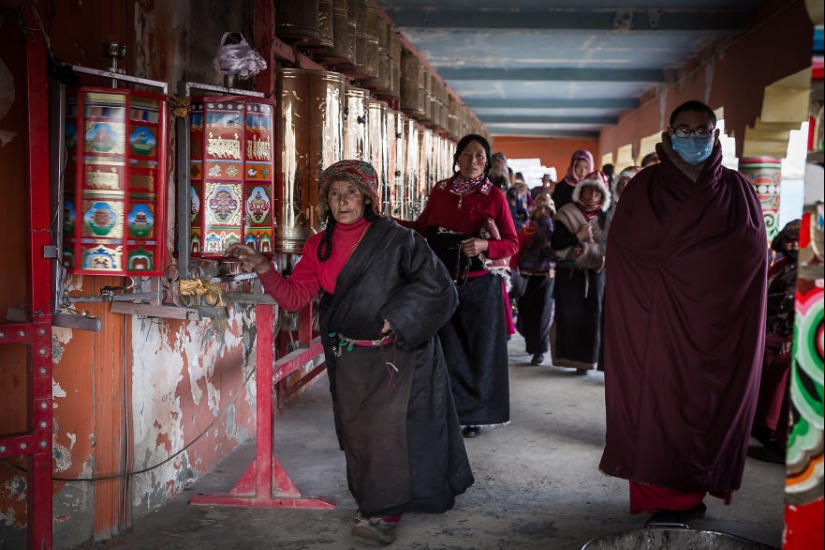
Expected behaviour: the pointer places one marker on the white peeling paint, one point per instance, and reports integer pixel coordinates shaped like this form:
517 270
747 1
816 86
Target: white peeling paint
8 517
62 457
57 391
6 137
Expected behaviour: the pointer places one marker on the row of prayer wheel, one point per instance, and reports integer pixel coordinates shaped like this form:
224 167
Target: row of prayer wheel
319 120
357 40
350 34
254 166
256 163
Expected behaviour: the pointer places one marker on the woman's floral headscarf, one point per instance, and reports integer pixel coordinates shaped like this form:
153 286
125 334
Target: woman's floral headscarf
360 173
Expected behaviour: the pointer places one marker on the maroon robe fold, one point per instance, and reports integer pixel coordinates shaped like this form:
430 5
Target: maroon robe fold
684 323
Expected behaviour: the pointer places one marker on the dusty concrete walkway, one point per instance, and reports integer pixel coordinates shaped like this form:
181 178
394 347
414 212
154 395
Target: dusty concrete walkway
537 484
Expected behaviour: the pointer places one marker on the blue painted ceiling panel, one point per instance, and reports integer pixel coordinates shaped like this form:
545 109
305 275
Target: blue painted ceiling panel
566 68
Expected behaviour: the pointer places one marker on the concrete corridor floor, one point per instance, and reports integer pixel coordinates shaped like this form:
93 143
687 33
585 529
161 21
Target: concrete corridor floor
537 483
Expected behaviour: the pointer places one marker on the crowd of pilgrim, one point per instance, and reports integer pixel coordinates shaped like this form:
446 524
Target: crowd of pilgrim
656 275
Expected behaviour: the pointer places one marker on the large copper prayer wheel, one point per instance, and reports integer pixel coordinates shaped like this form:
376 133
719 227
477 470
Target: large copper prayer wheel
384 51
356 116
297 22
396 160
411 92
372 42
357 10
414 202
343 30
309 136
395 64
377 128
326 37
426 174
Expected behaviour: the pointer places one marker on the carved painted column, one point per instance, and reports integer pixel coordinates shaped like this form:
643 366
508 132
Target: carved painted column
804 483
765 173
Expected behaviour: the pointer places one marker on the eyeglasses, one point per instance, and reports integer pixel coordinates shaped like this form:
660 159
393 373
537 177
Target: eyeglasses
701 132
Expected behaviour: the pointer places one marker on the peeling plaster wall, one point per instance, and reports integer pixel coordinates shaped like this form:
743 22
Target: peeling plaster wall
185 376
134 395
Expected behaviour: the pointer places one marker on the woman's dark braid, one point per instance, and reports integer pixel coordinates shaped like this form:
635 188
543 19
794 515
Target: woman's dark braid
325 248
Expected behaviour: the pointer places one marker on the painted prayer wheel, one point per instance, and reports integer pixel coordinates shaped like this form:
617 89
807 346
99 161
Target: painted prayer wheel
231 170
115 188
413 200
765 173
410 92
297 22
357 10
309 136
377 128
343 30
356 116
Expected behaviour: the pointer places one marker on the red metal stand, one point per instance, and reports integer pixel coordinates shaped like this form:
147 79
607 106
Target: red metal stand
265 483
36 442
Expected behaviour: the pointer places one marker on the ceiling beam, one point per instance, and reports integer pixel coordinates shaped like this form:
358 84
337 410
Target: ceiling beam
704 20
550 133
552 75
494 103
524 119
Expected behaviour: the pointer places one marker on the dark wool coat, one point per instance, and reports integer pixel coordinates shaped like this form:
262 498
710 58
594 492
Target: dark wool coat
393 406
684 325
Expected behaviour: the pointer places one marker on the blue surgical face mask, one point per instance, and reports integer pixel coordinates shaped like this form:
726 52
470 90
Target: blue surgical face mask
693 149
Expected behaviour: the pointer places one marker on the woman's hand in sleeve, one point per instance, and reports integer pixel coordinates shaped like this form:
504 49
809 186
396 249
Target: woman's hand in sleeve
250 259
585 233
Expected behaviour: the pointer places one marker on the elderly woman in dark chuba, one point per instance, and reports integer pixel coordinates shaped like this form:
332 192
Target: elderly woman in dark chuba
385 295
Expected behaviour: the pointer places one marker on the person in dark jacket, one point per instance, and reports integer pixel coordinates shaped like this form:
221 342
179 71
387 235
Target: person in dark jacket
467 222
536 261
575 337
385 295
684 323
770 425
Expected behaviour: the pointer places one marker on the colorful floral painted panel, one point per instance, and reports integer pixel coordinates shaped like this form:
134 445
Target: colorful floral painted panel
115 194
231 174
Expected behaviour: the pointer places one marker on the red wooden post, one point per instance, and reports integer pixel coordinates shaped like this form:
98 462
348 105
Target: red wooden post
265 483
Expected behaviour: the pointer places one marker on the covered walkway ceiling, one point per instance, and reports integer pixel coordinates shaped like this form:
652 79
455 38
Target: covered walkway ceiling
562 68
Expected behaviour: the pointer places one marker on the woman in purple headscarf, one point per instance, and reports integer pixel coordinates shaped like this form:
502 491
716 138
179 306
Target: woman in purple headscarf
581 164
393 408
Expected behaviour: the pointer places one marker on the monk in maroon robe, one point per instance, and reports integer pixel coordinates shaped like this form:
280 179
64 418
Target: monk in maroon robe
684 323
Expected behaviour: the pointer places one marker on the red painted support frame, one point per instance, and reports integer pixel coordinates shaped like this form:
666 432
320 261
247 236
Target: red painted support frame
36 442
265 483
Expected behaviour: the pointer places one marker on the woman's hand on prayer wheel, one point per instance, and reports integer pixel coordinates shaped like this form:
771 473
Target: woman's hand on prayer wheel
250 259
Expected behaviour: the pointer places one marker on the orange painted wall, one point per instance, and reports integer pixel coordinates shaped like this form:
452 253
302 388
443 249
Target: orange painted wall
735 79
552 152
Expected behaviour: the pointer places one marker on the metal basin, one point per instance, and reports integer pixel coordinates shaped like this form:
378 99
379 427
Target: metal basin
674 538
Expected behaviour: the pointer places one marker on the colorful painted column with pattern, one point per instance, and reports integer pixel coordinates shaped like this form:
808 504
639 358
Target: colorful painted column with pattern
765 173
804 482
